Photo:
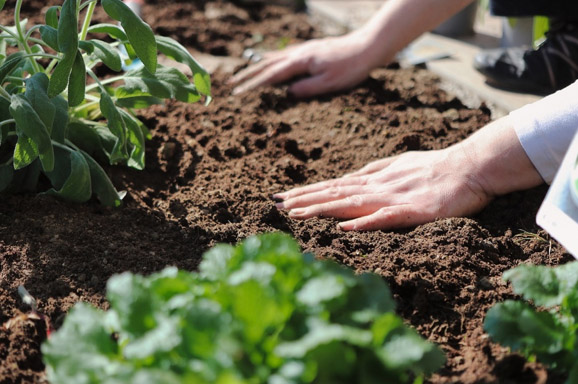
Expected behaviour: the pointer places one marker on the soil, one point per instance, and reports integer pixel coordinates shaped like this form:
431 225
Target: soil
212 169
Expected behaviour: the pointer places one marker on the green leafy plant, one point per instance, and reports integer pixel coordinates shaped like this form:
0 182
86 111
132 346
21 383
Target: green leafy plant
549 335
260 312
57 117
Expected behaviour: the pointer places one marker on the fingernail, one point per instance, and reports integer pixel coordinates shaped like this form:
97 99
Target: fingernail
280 205
236 91
297 212
346 226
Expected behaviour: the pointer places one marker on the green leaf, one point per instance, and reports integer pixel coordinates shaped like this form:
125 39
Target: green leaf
77 81
321 289
51 16
176 51
29 123
8 66
101 185
166 83
408 351
518 326
116 126
112 30
138 102
107 54
36 94
545 286
2 3
215 261
71 176
50 36
6 174
60 125
68 45
139 34
25 152
136 139
83 351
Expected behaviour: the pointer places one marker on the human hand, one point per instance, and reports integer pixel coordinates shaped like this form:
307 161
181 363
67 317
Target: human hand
330 64
406 190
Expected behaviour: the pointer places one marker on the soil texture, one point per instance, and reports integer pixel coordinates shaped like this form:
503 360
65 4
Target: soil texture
210 174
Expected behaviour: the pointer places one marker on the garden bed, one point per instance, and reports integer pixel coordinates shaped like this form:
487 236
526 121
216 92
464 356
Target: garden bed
209 176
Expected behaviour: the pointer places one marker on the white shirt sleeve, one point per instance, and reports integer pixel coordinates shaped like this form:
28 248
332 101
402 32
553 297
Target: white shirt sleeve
546 127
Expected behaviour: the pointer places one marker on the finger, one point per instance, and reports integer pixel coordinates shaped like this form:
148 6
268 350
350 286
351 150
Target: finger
398 216
273 74
316 187
324 196
372 167
253 70
347 208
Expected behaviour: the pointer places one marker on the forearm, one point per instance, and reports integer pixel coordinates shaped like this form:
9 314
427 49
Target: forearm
399 22
497 159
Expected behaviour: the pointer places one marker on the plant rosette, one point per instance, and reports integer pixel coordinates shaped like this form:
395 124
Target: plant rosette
260 312
55 125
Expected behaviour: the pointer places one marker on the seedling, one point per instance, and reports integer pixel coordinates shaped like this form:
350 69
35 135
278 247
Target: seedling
57 117
29 300
548 334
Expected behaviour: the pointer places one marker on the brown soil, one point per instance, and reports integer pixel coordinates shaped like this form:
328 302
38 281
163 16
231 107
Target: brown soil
209 177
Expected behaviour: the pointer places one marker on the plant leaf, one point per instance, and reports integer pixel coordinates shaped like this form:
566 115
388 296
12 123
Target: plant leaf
176 51
112 30
11 62
136 138
60 125
101 185
107 54
35 93
51 16
6 174
70 177
25 152
77 81
68 45
29 123
139 33
545 286
116 126
166 83
49 36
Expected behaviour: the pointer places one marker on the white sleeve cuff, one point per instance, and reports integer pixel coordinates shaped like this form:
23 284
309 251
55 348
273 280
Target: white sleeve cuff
546 127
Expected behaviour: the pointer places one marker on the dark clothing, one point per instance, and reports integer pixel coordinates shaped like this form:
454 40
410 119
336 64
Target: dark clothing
559 9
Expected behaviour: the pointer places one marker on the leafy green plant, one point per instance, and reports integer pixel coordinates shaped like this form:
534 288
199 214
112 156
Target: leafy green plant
549 335
261 312
57 117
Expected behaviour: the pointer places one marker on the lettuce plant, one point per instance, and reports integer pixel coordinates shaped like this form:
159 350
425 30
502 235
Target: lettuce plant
260 312
549 334
57 117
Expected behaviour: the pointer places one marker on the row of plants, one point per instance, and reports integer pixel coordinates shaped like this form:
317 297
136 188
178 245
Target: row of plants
263 312
58 119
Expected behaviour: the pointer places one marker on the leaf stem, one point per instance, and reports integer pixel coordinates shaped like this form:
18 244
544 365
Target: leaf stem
87 19
7 121
21 38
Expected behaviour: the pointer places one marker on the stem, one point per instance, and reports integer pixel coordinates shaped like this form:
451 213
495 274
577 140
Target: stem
7 121
21 39
104 82
87 20
4 93
8 31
